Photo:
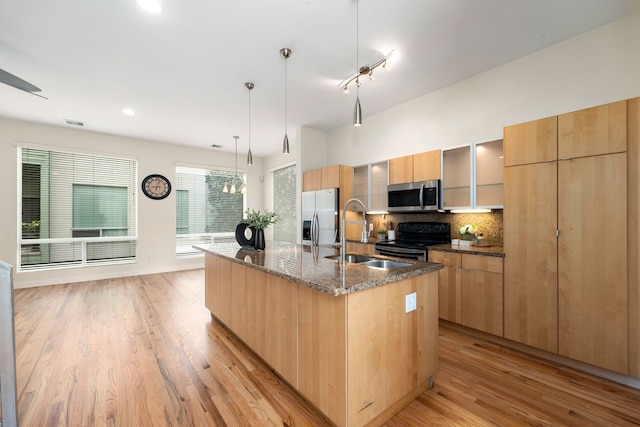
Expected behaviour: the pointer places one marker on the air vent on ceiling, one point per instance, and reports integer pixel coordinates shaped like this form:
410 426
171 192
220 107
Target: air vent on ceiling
73 122
216 146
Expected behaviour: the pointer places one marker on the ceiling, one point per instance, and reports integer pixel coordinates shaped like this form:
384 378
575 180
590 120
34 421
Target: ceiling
183 70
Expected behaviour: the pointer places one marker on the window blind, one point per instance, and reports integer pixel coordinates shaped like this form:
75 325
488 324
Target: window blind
76 198
204 213
284 204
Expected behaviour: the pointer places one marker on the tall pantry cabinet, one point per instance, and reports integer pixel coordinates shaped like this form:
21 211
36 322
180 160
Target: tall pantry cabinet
565 228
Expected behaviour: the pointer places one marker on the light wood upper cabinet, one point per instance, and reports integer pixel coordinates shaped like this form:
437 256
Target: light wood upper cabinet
415 168
426 166
531 142
593 131
401 170
592 217
312 180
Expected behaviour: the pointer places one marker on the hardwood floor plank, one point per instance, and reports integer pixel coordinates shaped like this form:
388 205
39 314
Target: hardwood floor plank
145 351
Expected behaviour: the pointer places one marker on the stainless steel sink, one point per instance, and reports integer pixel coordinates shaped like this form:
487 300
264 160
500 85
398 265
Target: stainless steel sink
386 263
352 258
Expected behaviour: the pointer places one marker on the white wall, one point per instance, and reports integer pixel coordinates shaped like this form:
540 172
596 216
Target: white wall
156 218
592 69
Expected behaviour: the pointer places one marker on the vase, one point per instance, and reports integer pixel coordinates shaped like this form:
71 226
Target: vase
259 243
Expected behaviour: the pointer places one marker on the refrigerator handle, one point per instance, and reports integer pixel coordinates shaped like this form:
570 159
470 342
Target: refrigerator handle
316 229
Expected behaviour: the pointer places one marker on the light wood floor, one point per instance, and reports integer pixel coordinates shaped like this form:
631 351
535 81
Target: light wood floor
143 351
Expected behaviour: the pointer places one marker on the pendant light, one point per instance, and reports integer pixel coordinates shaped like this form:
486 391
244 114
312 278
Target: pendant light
249 86
357 110
235 176
285 53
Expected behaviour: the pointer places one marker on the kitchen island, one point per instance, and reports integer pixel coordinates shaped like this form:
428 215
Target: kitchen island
346 337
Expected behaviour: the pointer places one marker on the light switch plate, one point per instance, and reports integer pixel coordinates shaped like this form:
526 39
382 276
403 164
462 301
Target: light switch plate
410 302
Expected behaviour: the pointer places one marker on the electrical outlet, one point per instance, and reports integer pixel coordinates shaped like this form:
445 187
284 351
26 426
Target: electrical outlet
410 302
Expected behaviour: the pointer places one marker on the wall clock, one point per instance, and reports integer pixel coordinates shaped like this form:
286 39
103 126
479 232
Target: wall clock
156 187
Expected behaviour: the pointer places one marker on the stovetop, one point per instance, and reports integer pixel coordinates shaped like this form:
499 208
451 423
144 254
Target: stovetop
419 235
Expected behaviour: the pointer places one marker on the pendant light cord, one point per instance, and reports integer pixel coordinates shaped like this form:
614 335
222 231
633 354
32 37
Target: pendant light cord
285 95
357 48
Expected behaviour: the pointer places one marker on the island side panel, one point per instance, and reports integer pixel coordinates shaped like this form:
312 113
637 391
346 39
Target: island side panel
366 354
210 282
428 325
281 328
322 357
222 304
254 301
240 313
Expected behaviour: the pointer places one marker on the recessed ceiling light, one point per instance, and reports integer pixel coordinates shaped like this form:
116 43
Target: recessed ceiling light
128 112
151 6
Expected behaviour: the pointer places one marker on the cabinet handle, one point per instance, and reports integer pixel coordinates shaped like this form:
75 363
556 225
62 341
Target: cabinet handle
565 158
549 161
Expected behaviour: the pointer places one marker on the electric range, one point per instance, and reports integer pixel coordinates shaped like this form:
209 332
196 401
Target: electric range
414 238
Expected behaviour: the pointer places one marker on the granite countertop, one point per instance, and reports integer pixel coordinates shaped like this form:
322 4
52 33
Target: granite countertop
303 266
497 251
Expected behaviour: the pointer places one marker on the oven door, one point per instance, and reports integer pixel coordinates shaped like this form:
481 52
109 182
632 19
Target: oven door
417 254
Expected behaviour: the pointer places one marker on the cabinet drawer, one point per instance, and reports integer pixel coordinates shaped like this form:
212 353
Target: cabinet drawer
480 262
450 259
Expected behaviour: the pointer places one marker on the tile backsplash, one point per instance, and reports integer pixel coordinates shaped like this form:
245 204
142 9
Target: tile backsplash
489 224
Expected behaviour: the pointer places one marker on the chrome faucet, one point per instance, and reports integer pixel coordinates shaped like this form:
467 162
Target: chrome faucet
363 239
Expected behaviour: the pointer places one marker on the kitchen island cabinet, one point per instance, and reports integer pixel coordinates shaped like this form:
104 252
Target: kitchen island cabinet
340 335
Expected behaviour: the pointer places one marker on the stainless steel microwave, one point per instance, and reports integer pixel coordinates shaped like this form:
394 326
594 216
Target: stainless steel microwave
414 197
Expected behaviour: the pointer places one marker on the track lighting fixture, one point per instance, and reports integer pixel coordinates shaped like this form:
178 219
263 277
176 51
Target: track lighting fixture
361 71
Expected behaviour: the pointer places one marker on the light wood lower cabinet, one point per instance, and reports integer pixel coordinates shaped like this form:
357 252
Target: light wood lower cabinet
449 285
471 290
359 358
482 293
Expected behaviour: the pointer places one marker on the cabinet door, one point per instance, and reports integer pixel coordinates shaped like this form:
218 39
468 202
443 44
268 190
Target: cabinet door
449 280
379 181
361 184
593 131
312 180
593 260
456 178
426 166
481 301
530 246
489 174
240 311
256 286
331 177
531 142
401 170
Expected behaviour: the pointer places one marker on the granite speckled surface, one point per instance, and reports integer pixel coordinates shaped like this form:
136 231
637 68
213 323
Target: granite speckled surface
298 264
474 250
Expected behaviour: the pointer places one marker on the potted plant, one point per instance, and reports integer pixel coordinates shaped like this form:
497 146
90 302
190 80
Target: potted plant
382 233
468 231
31 230
259 221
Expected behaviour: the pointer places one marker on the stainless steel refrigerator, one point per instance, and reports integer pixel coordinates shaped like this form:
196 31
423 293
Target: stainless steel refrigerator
320 217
